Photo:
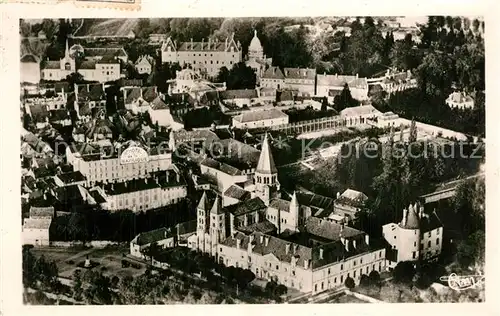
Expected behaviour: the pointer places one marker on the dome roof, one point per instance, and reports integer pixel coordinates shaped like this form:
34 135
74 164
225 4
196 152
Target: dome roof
255 44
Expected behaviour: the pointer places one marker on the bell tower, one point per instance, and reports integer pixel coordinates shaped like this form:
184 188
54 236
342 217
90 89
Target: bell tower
266 175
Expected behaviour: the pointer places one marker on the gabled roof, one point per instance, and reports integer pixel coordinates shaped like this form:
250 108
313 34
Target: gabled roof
87 64
52 64
266 162
273 246
359 110
329 230
158 104
273 73
315 200
239 94
280 204
71 177
259 115
108 59
149 94
153 236
237 193
245 207
300 73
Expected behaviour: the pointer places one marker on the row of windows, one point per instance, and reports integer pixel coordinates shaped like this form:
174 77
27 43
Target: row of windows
341 279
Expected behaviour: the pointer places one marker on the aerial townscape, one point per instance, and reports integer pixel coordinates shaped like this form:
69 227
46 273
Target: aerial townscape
252 160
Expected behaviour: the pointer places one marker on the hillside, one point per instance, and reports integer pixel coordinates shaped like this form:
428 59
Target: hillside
33 46
106 27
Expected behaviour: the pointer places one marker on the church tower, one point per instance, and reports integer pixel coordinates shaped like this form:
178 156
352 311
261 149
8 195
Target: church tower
266 175
294 212
202 221
67 63
218 225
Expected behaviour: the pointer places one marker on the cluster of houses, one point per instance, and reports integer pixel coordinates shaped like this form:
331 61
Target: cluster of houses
244 218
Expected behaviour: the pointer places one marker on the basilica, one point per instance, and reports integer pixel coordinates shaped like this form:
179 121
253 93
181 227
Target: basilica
281 239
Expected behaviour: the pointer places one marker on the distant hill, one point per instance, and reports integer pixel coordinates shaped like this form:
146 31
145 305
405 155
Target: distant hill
106 27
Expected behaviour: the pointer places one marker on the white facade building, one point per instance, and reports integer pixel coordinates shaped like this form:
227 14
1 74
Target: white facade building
417 236
331 85
260 118
206 56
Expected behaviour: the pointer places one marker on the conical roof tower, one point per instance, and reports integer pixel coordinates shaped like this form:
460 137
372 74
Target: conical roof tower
266 162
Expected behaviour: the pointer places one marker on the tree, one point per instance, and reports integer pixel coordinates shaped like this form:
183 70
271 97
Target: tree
223 75
404 272
345 99
374 277
24 28
364 280
75 78
349 283
49 28
241 77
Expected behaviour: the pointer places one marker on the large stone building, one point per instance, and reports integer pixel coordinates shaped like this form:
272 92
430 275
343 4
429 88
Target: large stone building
106 164
331 85
206 56
102 69
419 236
279 239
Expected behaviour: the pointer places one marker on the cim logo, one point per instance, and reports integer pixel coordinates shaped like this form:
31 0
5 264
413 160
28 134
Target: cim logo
133 155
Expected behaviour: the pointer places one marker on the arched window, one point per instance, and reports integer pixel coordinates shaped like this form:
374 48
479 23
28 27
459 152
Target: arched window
67 66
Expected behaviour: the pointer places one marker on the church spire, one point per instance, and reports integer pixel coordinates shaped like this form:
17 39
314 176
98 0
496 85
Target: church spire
216 209
66 52
202 205
266 162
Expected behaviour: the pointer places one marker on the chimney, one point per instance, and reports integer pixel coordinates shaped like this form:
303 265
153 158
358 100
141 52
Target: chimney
225 45
321 253
168 176
346 245
306 264
238 242
209 42
367 239
403 222
287 248
177 177
356 76
354 243
140 89
156 180
338 195
251 238
202 42
165 234
336 76
145 180
267 240
261 239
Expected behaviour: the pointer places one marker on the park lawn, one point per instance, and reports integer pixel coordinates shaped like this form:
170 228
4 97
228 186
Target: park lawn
108 260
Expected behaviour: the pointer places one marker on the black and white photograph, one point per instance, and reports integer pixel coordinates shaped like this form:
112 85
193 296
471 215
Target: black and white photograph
252 160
